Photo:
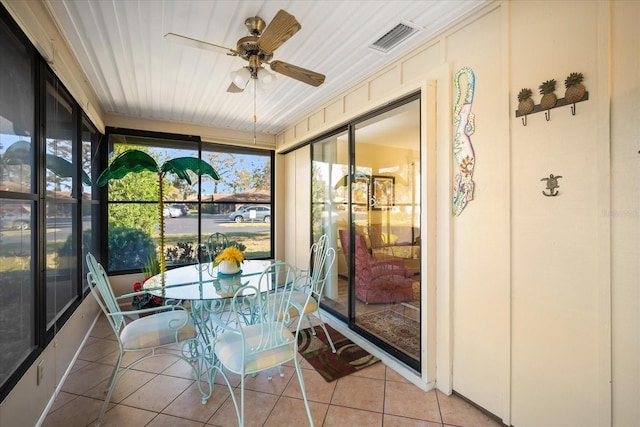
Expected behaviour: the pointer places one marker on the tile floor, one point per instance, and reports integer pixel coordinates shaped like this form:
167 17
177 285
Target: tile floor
161 392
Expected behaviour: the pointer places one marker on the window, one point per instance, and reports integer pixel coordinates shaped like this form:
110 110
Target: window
238 204
17 202
61 202
44 173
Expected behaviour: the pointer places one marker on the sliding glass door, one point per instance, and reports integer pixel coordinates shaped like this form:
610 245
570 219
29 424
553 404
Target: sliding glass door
366 197
329 211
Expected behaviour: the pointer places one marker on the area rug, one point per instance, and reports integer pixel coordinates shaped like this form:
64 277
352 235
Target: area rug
347 359
400 331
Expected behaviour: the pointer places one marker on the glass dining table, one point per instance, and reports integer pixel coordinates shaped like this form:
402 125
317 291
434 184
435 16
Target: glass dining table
206 293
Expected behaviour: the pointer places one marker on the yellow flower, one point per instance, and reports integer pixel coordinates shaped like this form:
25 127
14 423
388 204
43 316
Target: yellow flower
230 254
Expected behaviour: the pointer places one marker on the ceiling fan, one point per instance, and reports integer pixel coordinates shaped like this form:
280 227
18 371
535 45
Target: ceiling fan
257 49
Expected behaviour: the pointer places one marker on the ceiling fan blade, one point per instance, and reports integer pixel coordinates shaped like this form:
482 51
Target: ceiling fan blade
279 30
234 89
188 41
298 73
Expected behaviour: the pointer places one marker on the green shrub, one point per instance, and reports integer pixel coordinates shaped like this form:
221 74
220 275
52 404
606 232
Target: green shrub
129 248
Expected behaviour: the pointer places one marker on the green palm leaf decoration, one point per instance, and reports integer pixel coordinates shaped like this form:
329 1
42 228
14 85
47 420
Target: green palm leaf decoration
131 161
19 153
134 161
181 165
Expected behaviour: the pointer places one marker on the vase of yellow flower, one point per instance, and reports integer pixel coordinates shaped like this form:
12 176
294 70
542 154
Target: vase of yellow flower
229 260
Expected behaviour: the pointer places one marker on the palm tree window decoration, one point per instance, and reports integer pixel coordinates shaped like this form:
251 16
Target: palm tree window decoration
134 161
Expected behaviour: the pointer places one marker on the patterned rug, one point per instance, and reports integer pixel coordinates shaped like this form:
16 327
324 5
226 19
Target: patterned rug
347 359
398 330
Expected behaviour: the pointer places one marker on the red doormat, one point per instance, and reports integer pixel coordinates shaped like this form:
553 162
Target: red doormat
347 359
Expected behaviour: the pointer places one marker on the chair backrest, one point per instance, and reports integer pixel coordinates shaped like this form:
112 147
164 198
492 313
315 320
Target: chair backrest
268 312
103 293
321 260
216 242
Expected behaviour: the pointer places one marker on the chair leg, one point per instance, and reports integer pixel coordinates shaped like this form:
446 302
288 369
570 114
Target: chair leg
113 380
304 393
241 418
326 333
218 367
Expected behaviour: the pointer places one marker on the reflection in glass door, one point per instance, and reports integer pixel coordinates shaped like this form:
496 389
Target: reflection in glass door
368 202
329 212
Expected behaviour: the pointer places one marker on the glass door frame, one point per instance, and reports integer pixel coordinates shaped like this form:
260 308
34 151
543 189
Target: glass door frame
350 318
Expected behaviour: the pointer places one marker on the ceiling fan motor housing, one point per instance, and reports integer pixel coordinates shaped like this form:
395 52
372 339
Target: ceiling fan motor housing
247 47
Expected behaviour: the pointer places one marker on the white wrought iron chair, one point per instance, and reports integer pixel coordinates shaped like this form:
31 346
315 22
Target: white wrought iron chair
321 259
163 327
262 339
216 242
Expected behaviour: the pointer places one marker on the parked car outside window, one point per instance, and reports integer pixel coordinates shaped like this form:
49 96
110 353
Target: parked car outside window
171 212
16 217
251 213
183 208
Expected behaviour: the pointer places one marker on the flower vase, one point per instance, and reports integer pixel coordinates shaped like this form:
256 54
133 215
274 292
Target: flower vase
226 267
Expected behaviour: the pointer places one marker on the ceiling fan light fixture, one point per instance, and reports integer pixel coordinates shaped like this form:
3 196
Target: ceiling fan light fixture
266 78
241 77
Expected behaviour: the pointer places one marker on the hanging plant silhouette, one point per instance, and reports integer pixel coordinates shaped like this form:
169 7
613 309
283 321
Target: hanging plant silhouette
134 161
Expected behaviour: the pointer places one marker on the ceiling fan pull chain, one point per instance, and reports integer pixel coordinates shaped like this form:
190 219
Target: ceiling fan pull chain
254 111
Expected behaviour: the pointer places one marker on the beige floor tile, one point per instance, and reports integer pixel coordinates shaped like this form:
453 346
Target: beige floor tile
162 392
126 416
78 412
275 385
258 406
84 379
98 350
169 421
459 412
377 371
315 386
103 329
392 375
189 404
396 421
409 401
130 382
157 364
180 368
291 412
234 379
338 416
127 359
79 364
62 399
360 393
158 393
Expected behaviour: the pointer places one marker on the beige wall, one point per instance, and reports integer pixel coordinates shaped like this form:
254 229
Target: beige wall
624 212
560 245
544 291
27 401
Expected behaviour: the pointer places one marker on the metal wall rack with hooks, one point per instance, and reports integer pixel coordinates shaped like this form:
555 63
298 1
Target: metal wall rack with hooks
547 114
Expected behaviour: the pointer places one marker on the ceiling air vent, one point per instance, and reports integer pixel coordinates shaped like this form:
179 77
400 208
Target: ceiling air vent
394 37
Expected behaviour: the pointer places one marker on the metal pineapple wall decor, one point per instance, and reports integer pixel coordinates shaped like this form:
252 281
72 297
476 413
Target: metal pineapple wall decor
575 92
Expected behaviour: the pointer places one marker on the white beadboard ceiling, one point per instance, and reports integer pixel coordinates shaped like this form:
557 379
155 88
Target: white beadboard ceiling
134 71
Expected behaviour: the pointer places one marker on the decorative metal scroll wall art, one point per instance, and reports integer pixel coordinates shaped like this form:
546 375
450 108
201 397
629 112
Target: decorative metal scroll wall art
575 92
464 126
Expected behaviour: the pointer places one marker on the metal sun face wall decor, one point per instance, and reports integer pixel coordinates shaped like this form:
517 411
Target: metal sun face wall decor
464 127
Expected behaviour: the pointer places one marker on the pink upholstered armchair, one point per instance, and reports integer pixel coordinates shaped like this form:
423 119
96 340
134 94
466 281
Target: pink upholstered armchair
383 280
